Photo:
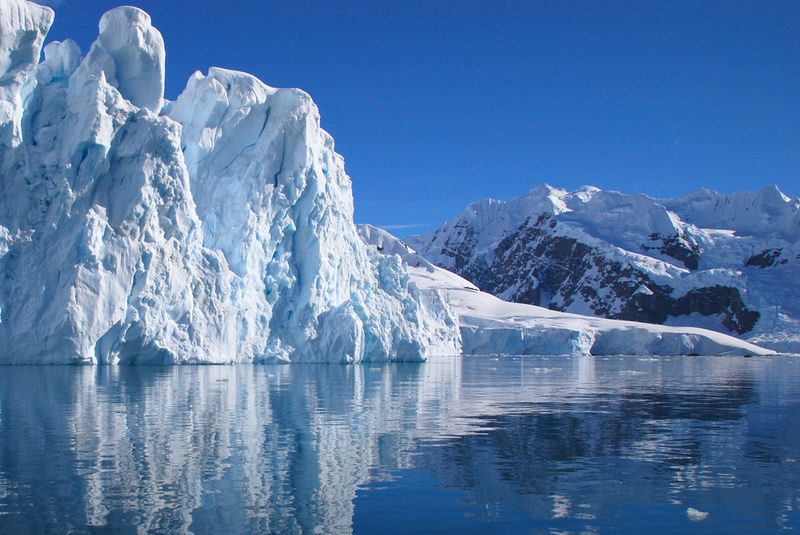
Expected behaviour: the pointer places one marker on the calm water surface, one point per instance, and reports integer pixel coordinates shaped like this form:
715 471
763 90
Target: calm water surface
509 445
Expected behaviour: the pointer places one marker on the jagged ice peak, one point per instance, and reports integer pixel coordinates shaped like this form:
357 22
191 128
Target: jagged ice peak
216 228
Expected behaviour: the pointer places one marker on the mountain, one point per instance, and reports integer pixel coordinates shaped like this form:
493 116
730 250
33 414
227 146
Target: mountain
219 227
725 262
215 228
491 326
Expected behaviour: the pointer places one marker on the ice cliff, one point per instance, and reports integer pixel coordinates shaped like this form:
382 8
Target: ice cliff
219 227
216 228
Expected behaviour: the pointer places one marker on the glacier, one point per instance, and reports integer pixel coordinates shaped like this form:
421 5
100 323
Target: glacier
730 263
216 228
491 326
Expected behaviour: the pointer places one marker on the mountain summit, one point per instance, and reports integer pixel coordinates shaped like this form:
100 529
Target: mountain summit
725 262
219 227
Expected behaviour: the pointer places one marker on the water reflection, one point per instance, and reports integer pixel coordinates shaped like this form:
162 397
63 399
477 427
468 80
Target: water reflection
571 444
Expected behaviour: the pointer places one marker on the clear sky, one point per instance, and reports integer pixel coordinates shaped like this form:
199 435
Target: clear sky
437 103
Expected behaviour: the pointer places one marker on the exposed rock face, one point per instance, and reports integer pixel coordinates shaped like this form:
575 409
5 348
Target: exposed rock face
490 326
636 258
677 246
767 258
567 270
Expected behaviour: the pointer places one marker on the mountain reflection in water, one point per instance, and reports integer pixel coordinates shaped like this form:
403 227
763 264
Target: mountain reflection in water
531 444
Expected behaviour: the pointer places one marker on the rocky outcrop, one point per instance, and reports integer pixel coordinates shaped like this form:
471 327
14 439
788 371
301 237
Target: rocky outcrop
676 246
766 258
536 265
490 326
635 258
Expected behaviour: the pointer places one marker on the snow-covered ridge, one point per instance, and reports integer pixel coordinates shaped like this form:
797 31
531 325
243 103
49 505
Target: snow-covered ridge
492 326
726 262
217 228
764 213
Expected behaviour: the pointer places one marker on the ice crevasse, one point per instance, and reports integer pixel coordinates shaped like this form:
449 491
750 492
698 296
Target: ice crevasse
215 228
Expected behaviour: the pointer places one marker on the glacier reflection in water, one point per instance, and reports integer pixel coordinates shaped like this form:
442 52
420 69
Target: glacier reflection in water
509 445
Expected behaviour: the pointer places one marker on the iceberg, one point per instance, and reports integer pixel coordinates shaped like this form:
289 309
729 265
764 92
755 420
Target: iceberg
217 228
696 515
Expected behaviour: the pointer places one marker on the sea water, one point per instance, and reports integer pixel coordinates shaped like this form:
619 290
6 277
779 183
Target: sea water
545 444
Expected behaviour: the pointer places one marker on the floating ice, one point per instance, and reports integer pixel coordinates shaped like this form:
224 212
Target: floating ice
695 515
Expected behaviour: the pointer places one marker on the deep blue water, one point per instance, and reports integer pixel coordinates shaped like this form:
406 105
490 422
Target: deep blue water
473 445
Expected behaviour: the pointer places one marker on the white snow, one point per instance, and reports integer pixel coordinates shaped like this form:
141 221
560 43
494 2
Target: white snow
767 212
726 230
214 229
219 228
492 326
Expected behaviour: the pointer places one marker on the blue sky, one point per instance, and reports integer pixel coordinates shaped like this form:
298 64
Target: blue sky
438 103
